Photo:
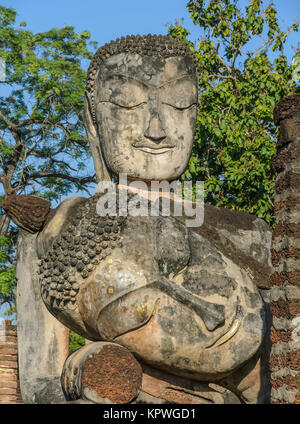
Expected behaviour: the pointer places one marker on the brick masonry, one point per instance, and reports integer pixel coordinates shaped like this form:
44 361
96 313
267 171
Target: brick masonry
285 280
9 376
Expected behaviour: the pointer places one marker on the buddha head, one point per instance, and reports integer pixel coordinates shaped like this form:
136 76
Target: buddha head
140 108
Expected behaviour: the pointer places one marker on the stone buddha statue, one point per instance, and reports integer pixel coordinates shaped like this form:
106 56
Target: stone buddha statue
185 303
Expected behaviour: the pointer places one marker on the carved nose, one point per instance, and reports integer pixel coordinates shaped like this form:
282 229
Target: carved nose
155 130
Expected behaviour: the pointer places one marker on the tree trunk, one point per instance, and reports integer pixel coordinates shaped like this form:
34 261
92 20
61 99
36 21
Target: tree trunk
4 224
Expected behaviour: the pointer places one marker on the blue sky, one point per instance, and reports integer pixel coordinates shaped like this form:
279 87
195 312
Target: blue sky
107 20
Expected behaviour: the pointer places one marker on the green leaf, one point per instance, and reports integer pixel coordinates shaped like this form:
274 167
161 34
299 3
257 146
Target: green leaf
235 139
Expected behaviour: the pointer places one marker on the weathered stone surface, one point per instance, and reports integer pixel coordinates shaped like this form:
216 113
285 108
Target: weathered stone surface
286 360
113 373
9 364
284 158
7 399
9 382
105 372
284 295
289 203
218 299
279 335
7 390
8 375
157 47
289 380
244 238
175 389
289 180
28 212
146 290
7 357
182 300
12 340
42 340
102 372
288 229
4 350
162 143
289 131
287 108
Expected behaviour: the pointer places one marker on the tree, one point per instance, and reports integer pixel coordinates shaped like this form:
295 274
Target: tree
7 270
296 68
43 147
76 341
236 138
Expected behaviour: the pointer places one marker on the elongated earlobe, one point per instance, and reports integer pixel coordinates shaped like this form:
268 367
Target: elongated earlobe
102 173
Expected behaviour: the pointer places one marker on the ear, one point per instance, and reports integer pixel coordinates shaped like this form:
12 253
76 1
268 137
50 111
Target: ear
89 124
102 173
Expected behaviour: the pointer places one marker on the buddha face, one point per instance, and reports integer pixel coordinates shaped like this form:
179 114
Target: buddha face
146 114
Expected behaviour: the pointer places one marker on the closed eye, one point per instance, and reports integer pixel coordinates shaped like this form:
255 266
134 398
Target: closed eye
180 107
124 106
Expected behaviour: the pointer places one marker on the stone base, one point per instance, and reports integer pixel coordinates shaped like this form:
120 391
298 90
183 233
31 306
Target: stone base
168 388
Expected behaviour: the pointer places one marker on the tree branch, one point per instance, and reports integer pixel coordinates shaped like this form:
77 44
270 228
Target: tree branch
270 41
224 63
221 76
8 122
78 180
52 160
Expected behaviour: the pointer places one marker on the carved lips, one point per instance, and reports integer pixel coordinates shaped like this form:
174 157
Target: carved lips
154 149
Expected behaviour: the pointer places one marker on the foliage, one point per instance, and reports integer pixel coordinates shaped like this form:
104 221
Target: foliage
296 69
43 147
239 86
76 341
41 130
7 271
